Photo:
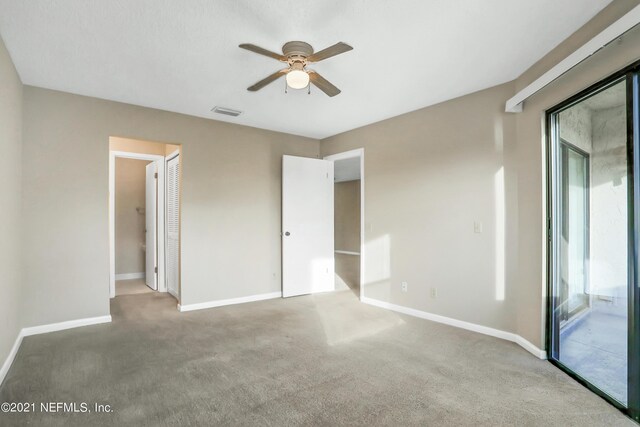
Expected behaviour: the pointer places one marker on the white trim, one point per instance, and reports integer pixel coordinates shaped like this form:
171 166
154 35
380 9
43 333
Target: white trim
43 329
612 32
230 301
10 357
358 152
172 155
61 326
130 276
347 252
537 352
509 336
160 164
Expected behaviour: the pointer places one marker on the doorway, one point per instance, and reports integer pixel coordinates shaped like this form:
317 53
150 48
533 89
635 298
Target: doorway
144 217
593 332
348 219
135 225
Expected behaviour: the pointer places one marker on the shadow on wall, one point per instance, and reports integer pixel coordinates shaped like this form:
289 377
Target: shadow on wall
348 273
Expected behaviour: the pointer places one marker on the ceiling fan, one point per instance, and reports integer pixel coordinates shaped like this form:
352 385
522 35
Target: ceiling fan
298 55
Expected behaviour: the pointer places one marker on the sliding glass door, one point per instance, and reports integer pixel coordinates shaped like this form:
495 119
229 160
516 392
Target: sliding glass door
593 325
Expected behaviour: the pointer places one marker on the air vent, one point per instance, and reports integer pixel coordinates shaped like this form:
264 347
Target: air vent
226 111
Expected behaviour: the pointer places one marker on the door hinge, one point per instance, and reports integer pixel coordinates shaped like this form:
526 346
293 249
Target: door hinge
155 175
155 270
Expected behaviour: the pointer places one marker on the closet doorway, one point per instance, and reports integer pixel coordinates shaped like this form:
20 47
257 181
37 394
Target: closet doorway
349 220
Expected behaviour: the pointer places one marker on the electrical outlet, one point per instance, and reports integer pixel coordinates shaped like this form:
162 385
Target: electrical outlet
405 286
477 227
434 293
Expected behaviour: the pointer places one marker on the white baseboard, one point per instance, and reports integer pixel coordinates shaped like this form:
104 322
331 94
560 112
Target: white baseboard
509 336
10 357
53 327
43 329
130 276
231 301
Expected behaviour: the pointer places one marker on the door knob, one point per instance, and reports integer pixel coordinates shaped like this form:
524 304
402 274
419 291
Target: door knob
287 233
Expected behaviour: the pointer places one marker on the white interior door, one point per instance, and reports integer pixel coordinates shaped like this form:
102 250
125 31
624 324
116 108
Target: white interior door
173 225
307 226
151 273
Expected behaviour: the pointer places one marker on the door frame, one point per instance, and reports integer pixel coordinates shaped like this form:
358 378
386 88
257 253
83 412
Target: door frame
563 144
160 223
358 152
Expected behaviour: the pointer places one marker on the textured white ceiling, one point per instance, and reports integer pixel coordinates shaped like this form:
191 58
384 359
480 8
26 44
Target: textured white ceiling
183 56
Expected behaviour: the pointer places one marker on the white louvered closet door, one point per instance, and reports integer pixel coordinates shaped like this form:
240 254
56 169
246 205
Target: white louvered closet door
173 225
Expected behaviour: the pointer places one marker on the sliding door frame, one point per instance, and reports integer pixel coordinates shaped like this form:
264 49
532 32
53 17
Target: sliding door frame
567 315
633 161
630 75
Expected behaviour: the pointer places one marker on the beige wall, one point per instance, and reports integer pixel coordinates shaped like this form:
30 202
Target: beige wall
346 216
130 201
347 233
530 133
139 146
10 194
231 190
429 175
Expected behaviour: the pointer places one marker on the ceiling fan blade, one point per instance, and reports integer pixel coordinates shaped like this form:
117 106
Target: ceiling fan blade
261 51
273 77
323 84
334 50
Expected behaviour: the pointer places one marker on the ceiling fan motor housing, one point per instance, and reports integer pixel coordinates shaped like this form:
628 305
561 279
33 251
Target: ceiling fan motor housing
297 49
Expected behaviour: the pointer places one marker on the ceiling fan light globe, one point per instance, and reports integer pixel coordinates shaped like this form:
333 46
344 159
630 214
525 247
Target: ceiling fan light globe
297 79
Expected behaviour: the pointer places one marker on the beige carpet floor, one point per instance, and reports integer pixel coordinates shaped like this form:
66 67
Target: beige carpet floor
131 287
313 360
